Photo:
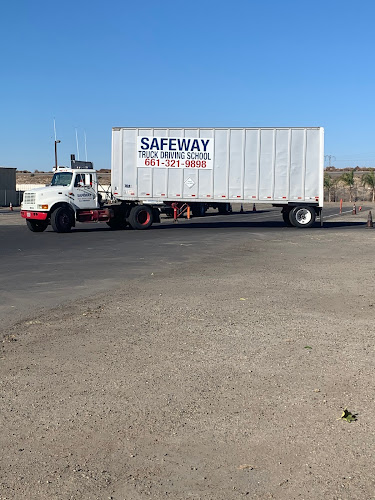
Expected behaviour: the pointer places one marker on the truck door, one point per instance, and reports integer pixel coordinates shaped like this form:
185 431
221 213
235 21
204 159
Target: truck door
85 191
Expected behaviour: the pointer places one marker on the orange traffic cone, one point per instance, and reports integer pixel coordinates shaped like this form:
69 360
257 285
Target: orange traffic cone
354 209
10 207
369 220
254 208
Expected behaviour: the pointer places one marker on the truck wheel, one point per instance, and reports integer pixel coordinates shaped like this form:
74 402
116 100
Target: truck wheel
224 208
117 223
198 210
37 226
140 217
61 220
285 214
302 216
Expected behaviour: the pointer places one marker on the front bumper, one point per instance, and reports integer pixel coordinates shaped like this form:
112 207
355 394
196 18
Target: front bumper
30 214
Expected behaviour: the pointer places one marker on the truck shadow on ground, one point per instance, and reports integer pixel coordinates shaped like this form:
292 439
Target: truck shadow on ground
186 225
249 224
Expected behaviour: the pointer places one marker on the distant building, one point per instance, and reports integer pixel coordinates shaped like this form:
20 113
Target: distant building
8 192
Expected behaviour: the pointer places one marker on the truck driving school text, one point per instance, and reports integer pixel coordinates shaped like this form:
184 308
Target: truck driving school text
175 152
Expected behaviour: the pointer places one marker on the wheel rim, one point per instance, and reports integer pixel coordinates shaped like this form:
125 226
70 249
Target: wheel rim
143 217
303 216
64 220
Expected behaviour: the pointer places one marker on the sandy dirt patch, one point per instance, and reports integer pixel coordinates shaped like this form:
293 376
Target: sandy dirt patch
222 380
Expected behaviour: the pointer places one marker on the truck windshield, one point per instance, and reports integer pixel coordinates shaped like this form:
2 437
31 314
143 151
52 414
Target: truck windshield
62 179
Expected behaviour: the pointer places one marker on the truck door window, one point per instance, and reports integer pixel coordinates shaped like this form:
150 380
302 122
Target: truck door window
80 180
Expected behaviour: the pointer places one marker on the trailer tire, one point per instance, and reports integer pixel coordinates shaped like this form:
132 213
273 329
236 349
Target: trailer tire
141 217
36 226
286 219
62 220
198 209
224 208
302 216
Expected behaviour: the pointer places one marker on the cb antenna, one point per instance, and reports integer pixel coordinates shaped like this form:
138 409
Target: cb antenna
85 145
77 144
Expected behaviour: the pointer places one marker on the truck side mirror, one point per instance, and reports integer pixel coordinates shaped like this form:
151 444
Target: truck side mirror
88 180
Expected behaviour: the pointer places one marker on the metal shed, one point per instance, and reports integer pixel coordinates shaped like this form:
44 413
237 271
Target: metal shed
8 192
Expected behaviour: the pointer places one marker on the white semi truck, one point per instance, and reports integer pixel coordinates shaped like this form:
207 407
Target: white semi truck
199 167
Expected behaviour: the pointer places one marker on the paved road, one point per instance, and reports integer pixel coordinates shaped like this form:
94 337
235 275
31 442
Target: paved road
43 270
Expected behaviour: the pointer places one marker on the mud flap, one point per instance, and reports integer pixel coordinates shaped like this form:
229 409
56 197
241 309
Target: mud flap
156 215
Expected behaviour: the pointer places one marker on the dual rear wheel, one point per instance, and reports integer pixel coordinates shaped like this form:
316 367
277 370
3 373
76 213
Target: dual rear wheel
139 217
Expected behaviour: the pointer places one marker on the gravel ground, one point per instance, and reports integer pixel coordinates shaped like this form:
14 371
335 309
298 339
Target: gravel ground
224 379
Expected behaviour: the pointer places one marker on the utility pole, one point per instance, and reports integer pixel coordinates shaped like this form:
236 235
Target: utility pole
56 143
330 158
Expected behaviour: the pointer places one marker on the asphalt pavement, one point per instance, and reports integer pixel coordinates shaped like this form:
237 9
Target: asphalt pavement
45 270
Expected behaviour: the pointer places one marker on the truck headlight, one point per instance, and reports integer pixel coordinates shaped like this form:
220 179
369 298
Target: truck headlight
43 207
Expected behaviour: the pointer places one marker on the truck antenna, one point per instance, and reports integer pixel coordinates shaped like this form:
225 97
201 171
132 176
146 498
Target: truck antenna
85 145
77 144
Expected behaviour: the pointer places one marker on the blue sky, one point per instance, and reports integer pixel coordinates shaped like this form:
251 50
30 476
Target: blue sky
93 65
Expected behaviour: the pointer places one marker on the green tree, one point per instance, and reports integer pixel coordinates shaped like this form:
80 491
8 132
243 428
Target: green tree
347 179
328 185
368 179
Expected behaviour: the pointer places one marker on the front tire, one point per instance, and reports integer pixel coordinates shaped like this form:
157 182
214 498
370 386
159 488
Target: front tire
36 226
140 217
61 220
302 217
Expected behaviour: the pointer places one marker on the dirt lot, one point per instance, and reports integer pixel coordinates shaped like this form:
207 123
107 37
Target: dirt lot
224 379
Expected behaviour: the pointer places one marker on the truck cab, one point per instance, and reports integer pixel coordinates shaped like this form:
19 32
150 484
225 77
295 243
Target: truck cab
78 185
72 195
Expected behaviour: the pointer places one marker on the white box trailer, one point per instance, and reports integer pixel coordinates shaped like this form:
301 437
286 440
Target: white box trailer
282 166
194 167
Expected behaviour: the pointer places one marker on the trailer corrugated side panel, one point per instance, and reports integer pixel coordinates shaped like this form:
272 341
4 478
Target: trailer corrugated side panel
276 165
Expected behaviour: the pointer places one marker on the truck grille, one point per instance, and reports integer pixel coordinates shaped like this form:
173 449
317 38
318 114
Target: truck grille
29 198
